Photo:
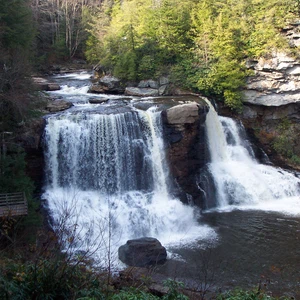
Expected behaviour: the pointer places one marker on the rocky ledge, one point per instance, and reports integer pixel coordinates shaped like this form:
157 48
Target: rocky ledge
145 88
184 131
276 81
45 85
272 102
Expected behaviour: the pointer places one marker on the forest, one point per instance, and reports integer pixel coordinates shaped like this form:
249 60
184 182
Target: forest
201 45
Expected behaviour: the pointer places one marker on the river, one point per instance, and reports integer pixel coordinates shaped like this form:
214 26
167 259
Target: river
106 163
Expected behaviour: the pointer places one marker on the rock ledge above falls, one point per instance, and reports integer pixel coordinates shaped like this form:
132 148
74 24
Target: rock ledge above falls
184 131
276 81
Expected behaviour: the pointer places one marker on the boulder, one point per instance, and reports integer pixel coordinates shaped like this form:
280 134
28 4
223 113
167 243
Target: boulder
163 90
98 101
53 87
141 92
148 84
44 84
143 252
107 84
163 81
58 105
184 132
183 114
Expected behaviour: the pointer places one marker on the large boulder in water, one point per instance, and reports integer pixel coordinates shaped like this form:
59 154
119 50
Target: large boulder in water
108 84
183 114
143 252
58 105
184 131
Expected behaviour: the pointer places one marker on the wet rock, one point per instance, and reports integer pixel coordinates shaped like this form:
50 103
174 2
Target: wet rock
143 252
263 124
183 114
58 105
184 132
44 84
141 92
98 101
53 87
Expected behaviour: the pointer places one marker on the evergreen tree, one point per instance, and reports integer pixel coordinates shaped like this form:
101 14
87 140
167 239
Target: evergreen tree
202 44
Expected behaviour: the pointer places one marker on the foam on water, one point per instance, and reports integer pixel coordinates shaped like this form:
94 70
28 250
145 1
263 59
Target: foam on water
107 173
72 90
79 76
241 182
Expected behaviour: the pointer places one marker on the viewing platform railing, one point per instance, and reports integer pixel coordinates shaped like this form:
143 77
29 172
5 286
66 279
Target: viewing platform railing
13 204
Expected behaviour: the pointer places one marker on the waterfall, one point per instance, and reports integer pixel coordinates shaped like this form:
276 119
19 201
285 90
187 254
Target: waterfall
107 174
240 181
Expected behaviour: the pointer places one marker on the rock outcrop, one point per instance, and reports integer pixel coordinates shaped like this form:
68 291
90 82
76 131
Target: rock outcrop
44 84
150 88
143 252
276 81
272 98
184 132
266 123
146 88
141 92
107 84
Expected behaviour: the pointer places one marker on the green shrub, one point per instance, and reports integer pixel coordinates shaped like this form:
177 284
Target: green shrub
239 294
133 294
12 167
286 140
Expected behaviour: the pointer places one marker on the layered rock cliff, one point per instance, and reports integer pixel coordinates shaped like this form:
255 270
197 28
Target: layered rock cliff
276 81
272 100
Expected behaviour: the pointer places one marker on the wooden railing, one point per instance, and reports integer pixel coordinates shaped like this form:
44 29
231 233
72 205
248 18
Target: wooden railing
13 204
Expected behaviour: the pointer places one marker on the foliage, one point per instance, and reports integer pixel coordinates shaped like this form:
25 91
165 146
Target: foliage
48 278
14 179
201 45
133 294
12 166
48 273
173 293
239 294
285 142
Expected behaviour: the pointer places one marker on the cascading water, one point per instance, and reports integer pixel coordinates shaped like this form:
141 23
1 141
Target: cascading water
239 179
107 175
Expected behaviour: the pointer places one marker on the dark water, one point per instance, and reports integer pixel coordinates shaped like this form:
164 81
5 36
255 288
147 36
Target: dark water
252 247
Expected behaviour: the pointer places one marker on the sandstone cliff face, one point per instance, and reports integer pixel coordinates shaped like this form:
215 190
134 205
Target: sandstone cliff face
272 98
184 132
276 81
